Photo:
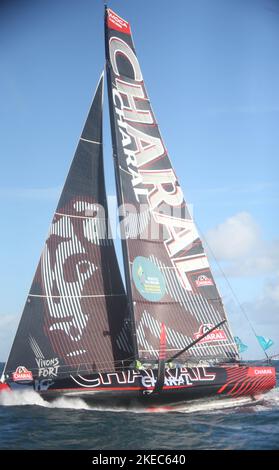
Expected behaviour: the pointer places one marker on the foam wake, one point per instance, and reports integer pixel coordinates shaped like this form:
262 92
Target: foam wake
217 405
270 400
30 397
261 403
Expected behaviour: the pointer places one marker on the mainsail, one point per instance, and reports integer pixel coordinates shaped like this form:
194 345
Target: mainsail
168 276
75 314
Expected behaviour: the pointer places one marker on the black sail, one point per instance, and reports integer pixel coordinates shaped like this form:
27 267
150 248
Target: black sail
167 271
75 314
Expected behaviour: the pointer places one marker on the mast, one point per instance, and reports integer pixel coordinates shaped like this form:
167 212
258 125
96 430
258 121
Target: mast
74 318
161 361
167 271
120 197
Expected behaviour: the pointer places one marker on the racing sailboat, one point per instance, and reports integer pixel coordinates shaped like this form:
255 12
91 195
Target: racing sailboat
166 337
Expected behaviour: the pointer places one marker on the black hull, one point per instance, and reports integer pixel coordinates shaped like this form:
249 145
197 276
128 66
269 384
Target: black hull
134 399
136 388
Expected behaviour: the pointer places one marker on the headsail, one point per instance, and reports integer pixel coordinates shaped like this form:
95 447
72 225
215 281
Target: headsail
167 271
74 317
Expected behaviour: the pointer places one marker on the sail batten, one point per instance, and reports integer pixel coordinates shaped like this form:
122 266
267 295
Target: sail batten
91 141
167 271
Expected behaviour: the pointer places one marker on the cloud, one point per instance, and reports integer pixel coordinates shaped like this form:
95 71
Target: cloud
271 290
264 313
234 238
264 309
238 243
259 316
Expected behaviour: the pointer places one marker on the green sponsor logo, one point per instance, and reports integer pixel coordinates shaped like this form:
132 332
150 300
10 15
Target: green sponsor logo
148 279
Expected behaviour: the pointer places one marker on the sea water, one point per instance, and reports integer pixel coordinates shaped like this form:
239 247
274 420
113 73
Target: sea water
29 422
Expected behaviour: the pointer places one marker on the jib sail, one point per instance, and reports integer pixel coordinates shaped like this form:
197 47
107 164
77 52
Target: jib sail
74 316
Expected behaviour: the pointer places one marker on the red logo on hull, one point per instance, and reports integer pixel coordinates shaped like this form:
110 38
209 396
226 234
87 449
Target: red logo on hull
261 371
22 374
215 335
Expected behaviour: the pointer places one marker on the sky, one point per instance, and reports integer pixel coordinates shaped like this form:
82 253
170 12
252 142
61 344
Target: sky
211 68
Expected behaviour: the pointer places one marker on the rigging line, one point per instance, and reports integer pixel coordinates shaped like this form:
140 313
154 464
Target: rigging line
228 283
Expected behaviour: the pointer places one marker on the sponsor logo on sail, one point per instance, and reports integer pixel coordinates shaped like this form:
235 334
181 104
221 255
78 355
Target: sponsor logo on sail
203 280
22 374
216 335
71 269
48 367
117 23
148 279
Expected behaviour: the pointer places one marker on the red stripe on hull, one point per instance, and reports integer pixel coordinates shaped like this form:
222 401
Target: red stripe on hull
249 380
